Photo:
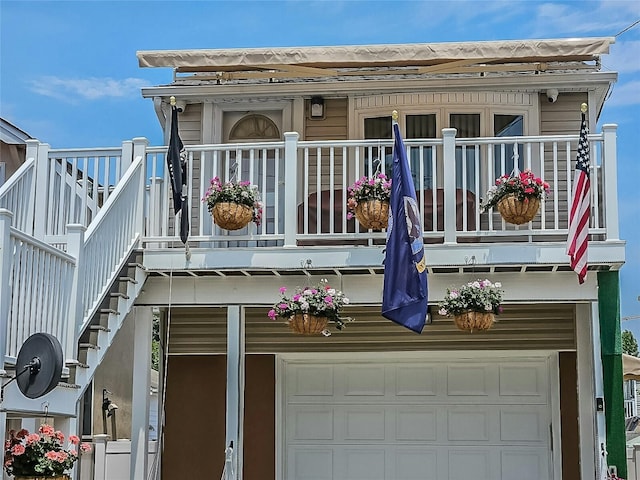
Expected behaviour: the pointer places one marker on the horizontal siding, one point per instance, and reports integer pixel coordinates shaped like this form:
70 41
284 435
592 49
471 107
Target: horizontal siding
435 99
520 327
334 126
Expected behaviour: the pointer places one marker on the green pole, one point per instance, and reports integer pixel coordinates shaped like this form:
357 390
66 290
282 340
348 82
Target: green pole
611 352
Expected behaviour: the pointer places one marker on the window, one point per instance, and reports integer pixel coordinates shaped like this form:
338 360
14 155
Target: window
507 126
467 126
417 126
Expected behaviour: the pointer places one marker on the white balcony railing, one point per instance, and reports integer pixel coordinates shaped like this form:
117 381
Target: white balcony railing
304 188
303 185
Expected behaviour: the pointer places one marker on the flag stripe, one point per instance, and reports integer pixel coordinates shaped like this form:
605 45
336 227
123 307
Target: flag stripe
580 211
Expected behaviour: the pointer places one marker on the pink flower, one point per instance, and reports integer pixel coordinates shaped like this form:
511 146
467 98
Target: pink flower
51 455
272 314
283 289
47 430
283 306
22 433
73 453
328 299
59 435
33 438
18 449
74 439
85 447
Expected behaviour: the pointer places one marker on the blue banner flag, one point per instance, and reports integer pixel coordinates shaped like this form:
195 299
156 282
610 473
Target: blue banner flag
404 298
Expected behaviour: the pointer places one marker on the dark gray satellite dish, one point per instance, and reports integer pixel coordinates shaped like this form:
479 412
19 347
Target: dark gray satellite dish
39 365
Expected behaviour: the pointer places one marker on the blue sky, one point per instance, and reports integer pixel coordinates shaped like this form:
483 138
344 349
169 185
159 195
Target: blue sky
69 74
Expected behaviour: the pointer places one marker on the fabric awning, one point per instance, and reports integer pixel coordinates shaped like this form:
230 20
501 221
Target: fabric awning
630 367
321 60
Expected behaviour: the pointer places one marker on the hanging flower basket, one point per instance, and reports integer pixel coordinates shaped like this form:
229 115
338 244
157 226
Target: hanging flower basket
516 196
474 305
231 216
517 211
56 477
373 214
470 321
305 324
309 310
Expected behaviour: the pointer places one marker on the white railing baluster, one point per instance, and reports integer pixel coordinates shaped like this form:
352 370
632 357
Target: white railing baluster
291 182
449 161
610 167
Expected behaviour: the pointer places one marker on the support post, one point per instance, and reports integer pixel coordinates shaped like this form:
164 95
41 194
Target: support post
75 248
40 190
449 197
100 457
127 156
140 150
6 255
143 317
290 193
610 167
235 391
611 344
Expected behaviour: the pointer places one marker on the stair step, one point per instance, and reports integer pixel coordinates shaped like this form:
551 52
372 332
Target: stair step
128 279
107 311
88 346
69 385
119 294
99 328
135 265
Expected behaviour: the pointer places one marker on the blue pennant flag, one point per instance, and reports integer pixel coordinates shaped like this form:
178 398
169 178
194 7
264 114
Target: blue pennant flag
404 298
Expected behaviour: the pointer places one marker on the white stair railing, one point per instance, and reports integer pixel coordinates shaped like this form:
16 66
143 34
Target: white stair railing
36 280
108 243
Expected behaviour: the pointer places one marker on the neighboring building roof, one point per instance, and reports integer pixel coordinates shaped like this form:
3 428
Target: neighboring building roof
11 134
630 367
459 57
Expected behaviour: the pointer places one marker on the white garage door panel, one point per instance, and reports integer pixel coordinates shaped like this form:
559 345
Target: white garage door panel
419 420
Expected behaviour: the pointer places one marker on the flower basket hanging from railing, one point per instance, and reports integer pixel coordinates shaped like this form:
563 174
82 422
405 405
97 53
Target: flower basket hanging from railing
517 211
305 324
369 201
516 196
231 216
472 321
373 214
233 204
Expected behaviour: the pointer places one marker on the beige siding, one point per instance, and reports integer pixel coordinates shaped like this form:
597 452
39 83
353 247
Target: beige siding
203 331
560 118
333 126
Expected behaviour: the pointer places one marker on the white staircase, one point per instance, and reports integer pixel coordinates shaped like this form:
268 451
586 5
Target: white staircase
70 227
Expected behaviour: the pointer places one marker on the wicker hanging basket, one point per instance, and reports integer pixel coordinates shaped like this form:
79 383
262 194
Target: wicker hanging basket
518 211
305 324
470 321
231 216
373 214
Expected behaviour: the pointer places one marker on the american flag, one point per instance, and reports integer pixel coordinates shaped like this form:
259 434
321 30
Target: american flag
578 238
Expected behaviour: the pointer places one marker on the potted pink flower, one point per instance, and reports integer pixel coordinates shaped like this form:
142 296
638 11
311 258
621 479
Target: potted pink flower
369 201
41 455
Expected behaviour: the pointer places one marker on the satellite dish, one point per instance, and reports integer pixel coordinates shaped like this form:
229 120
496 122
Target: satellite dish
39 365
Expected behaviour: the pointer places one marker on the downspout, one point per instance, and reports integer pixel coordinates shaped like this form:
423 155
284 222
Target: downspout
611 351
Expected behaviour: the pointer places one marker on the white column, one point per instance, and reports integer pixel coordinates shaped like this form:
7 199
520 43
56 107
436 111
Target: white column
610 167
100 457
75 248
127 156
143 317
5 294
586 389
69 426
449 197
290 193
39 190
235 391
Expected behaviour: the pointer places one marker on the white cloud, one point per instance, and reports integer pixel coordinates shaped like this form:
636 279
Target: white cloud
625 94
607 17
91 88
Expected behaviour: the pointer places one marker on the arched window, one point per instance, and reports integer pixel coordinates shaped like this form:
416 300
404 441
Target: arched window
254 127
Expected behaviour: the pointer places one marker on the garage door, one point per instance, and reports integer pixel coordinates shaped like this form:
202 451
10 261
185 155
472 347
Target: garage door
410 420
